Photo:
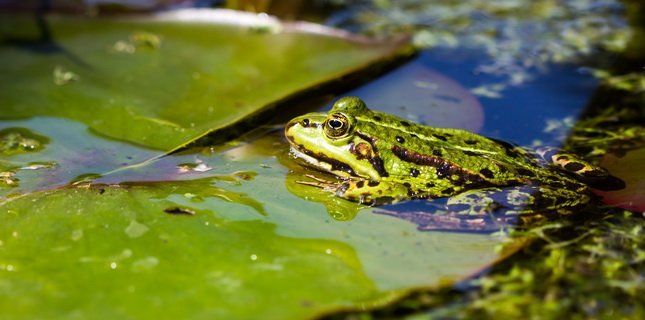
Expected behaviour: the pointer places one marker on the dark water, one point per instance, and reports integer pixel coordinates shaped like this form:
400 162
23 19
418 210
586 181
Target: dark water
520 115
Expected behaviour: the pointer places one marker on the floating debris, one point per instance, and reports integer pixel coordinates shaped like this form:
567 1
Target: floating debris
8 179
198 166
492 91
63 76
179 211
245 175
39 165
137 41
145 39
20 140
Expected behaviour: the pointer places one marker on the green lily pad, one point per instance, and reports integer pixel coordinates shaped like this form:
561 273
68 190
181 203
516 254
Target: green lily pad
164 83
96 253
235 243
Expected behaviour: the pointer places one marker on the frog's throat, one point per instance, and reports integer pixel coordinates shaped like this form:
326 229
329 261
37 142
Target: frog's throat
323 163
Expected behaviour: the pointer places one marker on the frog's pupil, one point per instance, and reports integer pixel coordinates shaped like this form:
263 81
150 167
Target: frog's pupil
335 124
400 139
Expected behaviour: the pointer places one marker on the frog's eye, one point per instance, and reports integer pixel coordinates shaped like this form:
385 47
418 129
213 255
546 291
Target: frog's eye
336 126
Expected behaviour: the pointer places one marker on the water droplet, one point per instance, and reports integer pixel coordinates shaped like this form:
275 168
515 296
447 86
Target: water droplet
254 257
328 251
145 264
113 265
77 234
126 253
136 229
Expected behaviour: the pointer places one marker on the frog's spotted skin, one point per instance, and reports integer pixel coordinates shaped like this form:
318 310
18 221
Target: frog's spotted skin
382 159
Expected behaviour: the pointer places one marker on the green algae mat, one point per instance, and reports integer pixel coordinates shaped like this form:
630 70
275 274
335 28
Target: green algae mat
223 232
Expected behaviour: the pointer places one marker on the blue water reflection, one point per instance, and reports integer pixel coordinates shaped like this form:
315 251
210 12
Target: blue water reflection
520 115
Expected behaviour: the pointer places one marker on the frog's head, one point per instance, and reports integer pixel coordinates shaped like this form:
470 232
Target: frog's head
331 143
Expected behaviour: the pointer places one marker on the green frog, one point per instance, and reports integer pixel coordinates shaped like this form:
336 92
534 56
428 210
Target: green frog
380 159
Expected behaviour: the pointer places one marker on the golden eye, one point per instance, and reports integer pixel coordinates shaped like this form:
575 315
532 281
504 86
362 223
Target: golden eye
336 126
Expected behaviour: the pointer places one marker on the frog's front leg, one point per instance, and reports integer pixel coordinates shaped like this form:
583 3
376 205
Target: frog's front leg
515 200
372 192
361 190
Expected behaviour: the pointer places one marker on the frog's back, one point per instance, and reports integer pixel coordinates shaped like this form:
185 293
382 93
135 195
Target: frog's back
423 146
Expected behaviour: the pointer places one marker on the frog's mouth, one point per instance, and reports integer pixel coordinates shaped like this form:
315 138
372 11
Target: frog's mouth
322 162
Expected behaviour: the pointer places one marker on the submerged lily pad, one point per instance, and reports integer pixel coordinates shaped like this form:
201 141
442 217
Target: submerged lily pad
164 83
45 152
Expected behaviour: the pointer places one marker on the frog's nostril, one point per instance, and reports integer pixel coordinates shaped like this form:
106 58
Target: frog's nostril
305 123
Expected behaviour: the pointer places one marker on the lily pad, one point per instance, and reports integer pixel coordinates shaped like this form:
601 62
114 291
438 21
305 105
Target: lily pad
162 83
235 243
